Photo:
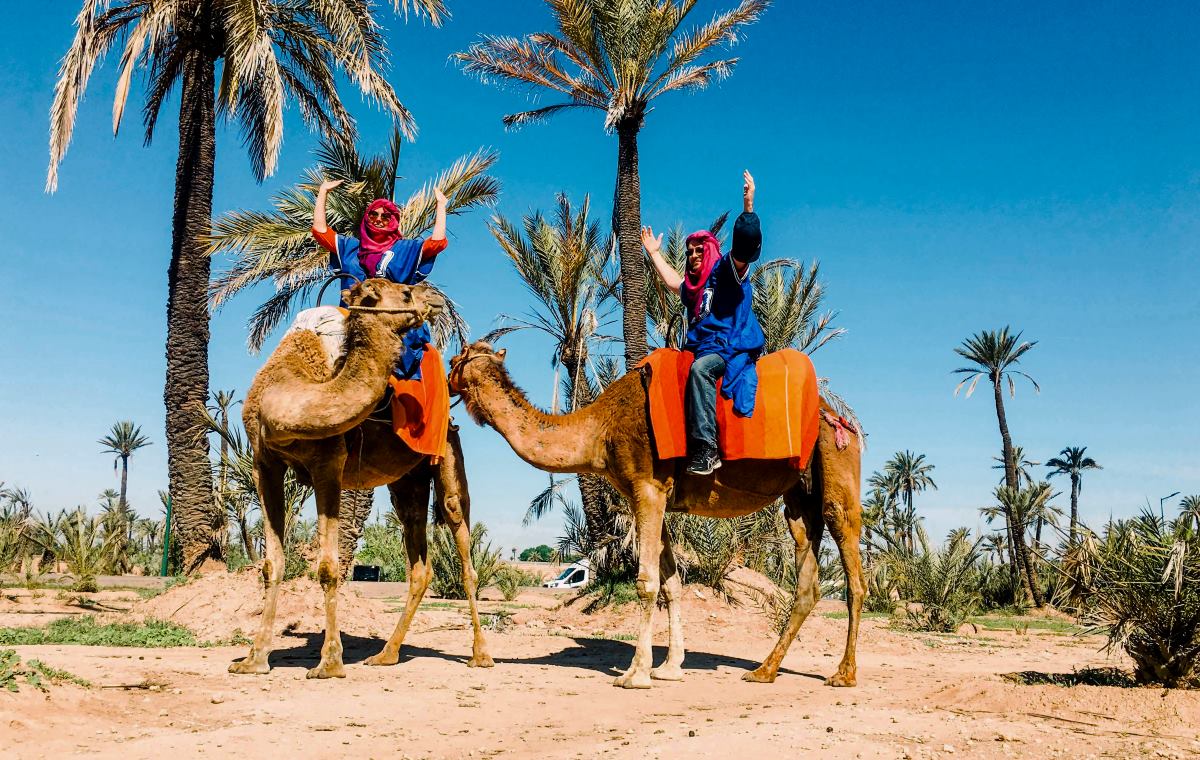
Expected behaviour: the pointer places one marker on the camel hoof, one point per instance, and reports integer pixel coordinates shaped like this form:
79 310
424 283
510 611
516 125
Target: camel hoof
383 658
633 681
481 661
841 679
328 670
758 675
667 673
250 667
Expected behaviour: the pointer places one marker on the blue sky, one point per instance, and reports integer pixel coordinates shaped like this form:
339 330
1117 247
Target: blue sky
955 167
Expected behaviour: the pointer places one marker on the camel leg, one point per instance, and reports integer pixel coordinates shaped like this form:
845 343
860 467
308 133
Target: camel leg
649 507
804 522
410 499
327 484
454 503
842 512
268 476
672 588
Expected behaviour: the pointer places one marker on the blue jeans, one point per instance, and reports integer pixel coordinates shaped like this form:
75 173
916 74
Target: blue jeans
701 400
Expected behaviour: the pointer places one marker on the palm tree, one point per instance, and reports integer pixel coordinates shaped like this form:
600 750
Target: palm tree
561 262
1189 510
1072 461
993 355
1024 471
615 56
270 52
906 474
1021 507
124 439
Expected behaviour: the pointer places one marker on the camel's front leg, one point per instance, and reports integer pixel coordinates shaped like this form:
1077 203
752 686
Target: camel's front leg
268 477
672 588
843 514
649 505
454 501
328 487
804 522
410 499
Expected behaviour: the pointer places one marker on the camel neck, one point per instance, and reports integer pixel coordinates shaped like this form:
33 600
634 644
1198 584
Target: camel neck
551 442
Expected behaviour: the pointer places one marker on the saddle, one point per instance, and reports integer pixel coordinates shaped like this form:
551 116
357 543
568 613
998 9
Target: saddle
786 415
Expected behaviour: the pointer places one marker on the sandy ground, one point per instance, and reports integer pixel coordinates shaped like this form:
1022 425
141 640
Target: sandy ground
550 694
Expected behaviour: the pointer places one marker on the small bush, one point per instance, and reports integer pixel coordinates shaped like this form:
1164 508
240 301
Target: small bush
508 581
447 569
13 673
86 631
944 583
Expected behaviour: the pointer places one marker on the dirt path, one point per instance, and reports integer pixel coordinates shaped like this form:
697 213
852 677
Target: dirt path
550 695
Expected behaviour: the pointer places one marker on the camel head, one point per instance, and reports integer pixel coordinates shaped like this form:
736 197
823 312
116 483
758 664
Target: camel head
399 307
477 361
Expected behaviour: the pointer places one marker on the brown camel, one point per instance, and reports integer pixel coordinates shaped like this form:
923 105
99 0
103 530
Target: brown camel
303 414
611 438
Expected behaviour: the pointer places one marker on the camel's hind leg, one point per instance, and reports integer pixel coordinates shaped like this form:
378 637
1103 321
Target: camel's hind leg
672 589
410 499
454 505
804 522
268 476
838 475
327 483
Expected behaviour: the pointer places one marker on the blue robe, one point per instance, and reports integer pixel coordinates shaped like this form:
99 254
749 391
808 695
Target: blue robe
402 264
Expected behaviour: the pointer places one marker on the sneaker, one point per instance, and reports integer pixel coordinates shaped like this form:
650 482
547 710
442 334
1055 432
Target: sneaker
704 461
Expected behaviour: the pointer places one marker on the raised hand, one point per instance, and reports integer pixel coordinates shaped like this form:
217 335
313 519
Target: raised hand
440 197
329 184
653 244
747 192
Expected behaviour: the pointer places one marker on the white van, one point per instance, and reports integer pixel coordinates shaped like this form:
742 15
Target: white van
574 575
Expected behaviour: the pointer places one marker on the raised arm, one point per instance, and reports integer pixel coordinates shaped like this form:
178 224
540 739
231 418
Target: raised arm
439 216
666 272
747 233
319 225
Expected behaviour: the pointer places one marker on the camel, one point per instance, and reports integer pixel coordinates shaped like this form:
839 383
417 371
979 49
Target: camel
302 413
611 437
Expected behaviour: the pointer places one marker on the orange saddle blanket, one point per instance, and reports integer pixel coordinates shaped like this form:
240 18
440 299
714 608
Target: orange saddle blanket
421 408
786 408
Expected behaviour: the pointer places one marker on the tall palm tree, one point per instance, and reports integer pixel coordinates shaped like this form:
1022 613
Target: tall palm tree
993 354
1020 507
123 440
1073 461
615 56
561 262
270 52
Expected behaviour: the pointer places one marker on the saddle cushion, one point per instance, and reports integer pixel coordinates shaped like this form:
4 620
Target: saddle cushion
786 408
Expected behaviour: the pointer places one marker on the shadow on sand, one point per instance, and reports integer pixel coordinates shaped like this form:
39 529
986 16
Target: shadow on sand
604 656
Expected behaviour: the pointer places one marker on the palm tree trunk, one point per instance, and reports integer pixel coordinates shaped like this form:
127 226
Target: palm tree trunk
910 517
629 226
1074 506
353 513
125 504
247 540
201 522
1020 551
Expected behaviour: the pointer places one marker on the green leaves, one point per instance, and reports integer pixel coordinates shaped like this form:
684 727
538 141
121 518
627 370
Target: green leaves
993 352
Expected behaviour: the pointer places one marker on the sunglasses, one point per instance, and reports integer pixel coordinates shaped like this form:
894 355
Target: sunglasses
695 250
378 215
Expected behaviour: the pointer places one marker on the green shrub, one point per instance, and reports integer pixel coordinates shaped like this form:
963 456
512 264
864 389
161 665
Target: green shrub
508 581
85 630
943 584
1140 585
447 569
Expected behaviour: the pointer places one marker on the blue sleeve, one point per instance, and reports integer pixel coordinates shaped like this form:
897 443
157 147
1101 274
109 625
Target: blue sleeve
405 266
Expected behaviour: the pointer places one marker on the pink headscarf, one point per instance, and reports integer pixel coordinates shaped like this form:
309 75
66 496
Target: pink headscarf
372 242
693 285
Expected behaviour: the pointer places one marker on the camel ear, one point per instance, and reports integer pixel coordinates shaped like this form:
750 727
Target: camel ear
500 354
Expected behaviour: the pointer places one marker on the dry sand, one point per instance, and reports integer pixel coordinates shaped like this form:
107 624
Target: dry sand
550 694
